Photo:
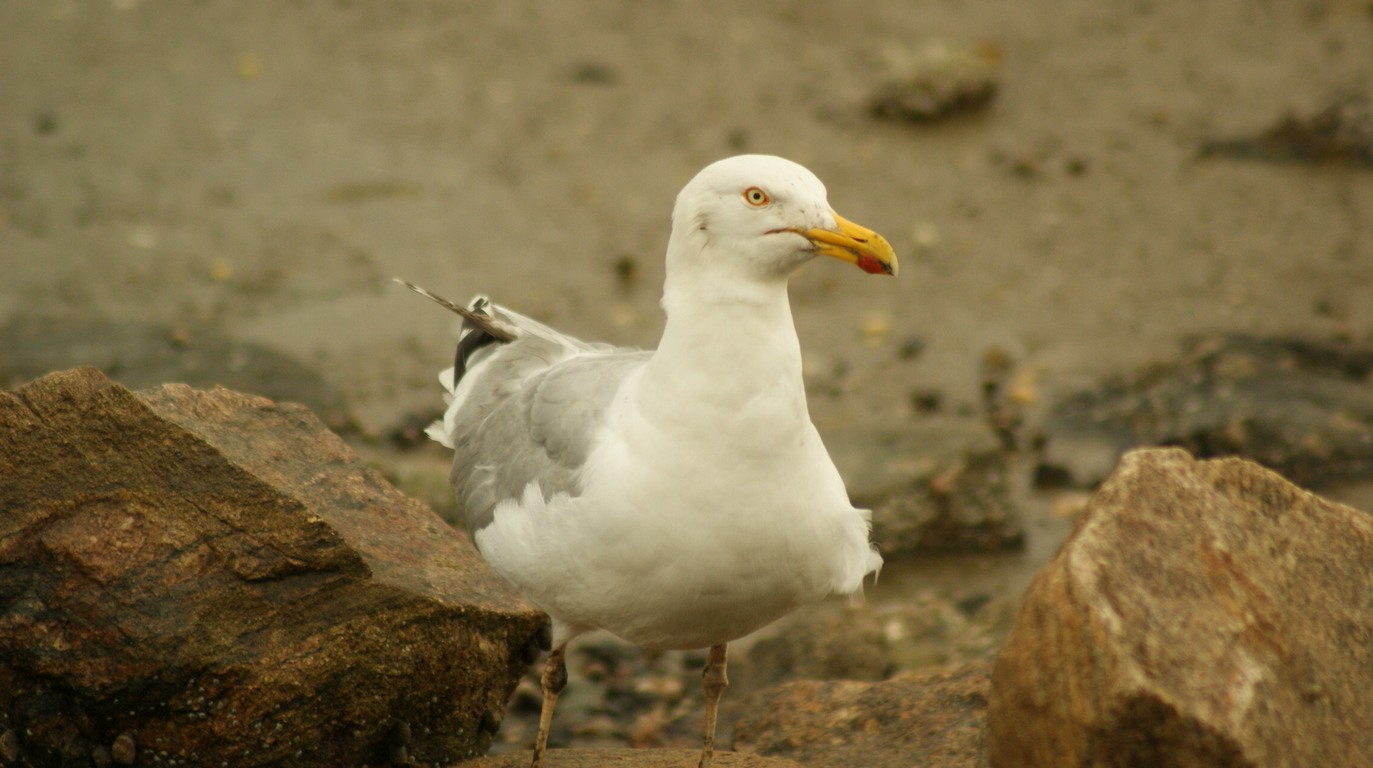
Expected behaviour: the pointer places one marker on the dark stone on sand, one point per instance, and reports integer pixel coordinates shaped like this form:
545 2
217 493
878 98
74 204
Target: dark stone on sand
140 355
815 648
124 751
939 81
1299 406
930 719
1203 613
939 485
1339 132
209 577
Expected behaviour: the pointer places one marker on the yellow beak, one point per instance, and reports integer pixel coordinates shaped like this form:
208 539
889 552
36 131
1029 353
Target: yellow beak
855 244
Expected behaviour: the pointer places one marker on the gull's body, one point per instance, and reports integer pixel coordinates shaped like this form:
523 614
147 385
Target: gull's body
680 498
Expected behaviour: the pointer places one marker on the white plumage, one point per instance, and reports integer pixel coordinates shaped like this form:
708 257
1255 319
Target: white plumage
680 498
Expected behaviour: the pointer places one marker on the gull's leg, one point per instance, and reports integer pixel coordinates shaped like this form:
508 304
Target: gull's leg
554 680
715 683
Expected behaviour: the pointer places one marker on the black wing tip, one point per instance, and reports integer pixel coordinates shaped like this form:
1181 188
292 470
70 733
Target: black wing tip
475 335
478 327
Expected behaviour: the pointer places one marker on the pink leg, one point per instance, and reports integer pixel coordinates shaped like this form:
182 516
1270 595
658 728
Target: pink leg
715 684
554 680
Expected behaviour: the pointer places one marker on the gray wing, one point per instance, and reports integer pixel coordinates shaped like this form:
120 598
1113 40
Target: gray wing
525 427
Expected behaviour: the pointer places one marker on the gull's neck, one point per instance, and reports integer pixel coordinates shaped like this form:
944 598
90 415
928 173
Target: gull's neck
729 347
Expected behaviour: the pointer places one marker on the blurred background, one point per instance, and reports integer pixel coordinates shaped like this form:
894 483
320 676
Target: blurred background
220 192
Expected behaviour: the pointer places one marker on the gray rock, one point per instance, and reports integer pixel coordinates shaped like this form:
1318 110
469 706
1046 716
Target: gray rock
208 577
938 80
140 355
940 484
1339 132
837 647
1301 407
1203 613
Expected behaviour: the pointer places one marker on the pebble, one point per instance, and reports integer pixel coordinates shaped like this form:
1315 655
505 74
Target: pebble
124 749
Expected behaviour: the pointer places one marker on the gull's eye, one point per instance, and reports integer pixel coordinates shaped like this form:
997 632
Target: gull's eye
756 197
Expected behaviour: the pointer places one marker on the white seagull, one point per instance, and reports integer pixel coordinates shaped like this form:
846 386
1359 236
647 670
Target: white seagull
679 498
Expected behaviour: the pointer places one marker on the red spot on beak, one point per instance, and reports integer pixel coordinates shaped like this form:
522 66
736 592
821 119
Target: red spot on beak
872 266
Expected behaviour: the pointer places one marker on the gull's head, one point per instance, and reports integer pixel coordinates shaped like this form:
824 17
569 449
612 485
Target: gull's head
761 217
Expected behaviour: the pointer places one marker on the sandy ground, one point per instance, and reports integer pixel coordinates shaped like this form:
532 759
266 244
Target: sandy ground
269 166
266 168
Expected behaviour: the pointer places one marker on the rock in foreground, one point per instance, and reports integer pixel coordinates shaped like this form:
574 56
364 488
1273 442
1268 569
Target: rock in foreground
1204 613
210 578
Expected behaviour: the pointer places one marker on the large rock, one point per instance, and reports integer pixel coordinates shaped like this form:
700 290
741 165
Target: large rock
210 578
931 719
1204 613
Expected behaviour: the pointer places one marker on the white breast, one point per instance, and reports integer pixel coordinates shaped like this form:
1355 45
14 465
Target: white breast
685 540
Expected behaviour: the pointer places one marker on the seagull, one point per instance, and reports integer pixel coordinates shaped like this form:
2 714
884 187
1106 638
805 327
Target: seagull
679 498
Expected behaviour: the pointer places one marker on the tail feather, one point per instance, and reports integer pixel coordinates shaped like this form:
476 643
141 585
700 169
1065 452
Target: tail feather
489 372
473 338
478 328
477 315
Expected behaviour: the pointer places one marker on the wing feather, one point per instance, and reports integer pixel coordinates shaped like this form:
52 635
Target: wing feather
527 410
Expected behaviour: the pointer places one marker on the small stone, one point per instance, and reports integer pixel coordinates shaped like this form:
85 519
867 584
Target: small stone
647 730
927 401
877 325
221 270
248 65
938 81
627 271
662 687
100 757
594 73
124 750
45 123
911 347
9 745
